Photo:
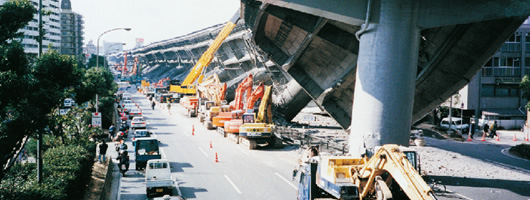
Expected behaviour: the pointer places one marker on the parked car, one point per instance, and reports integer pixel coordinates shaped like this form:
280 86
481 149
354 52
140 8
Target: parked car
138 122
135 112
126 102
128 107
456 124
140 133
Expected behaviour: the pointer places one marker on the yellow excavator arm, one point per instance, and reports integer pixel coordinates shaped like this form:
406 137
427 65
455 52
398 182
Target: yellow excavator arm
265 111
206 58
390 159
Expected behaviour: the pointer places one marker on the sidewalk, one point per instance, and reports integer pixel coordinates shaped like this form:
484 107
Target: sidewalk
506 137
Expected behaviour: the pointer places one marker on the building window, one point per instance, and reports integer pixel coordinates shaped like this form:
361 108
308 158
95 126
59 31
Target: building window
501 90
488 90
502 67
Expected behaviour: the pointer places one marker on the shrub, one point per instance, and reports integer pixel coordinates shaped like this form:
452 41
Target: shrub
521 150
66 172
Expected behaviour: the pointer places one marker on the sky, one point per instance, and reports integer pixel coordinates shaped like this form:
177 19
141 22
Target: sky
153 20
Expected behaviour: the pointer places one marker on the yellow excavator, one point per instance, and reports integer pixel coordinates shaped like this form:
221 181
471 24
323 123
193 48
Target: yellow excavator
259 129
391 173
188 87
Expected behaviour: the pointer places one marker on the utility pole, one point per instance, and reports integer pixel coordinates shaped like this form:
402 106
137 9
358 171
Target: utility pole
39 144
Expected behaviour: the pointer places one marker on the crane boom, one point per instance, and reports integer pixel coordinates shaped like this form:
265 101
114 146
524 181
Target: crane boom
186 86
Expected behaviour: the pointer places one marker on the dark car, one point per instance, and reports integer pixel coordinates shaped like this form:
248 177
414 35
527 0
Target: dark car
140 133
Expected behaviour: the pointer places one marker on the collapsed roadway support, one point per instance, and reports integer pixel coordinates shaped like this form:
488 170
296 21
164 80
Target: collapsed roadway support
386 72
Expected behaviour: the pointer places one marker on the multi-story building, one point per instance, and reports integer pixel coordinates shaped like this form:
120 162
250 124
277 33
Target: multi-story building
494 93
90 48
71 30
51 26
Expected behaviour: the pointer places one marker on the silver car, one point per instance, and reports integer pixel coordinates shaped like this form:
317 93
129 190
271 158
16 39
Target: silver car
135 112
138 122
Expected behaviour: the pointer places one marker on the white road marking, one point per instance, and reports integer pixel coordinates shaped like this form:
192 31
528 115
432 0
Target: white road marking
507 153
287 181
459 194
119 188
243 151
161 150
176 184
233 185
509 166
203 152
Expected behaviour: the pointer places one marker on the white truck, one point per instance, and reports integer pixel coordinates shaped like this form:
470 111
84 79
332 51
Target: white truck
158 177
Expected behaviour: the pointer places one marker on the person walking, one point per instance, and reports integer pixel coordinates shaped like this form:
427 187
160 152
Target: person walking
102 151
153 105
494 129
486 128
168 106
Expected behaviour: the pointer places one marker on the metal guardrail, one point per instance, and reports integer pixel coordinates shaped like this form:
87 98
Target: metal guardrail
332 143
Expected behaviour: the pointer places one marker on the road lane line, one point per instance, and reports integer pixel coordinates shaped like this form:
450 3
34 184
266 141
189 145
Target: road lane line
459 194
233 185
203 152
287 181
243 151
510 167
161 150
163 153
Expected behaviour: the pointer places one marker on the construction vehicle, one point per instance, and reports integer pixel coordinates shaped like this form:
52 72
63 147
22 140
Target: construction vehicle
191 104
232 127
260 129
236 110
391 173
214 91
187 87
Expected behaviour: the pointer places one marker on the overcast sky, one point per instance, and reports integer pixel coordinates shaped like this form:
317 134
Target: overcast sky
153 20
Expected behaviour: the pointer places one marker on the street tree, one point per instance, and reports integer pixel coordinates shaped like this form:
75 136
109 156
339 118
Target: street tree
15 80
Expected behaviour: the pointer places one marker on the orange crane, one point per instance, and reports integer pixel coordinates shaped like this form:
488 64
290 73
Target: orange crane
226 113
232 126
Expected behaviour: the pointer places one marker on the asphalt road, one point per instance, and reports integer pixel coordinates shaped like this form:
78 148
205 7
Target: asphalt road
239 173
489 152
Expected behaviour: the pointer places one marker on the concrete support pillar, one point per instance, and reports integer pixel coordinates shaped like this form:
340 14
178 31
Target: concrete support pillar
385 79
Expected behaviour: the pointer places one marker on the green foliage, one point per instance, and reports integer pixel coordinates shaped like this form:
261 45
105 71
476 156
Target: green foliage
94 59
65 174
14 15
525 89
521 150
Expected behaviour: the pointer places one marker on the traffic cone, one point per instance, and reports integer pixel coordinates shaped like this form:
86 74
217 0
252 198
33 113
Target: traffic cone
469 137
216 159
526 137
211 144
192 129
483 137
514 137
498 137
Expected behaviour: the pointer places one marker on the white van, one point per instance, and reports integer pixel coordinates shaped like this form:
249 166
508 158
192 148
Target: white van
158 177
456 124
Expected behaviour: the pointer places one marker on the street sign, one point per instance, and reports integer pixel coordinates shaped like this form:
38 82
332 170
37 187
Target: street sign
96 119
64 111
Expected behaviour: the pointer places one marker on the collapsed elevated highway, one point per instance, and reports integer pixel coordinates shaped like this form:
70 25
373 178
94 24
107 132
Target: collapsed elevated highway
437 46
175 57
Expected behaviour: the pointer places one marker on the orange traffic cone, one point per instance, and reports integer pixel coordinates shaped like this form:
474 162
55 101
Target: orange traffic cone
483 137
216 159
469 137
211 144
514 137
192 129
526 137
